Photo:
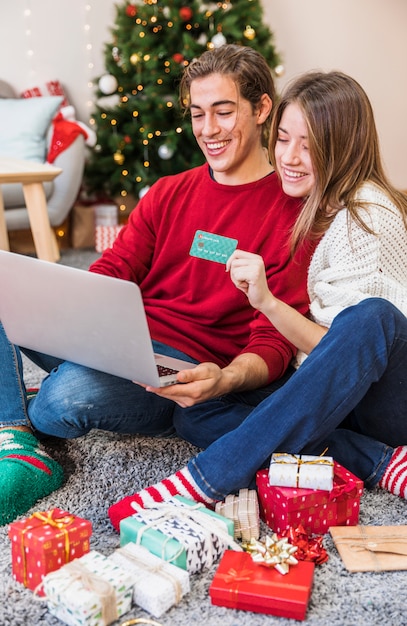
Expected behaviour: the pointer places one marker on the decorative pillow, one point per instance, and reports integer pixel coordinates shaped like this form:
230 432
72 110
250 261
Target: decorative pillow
50 88
24 124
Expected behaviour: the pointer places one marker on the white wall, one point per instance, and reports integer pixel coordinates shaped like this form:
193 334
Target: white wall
365 38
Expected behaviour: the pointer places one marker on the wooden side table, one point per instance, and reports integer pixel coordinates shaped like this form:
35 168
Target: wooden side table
31 175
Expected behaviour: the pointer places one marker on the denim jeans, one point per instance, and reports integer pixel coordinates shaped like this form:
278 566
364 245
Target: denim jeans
350 395
73 400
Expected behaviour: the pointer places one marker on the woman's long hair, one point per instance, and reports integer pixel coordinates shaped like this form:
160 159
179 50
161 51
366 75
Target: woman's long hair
344 149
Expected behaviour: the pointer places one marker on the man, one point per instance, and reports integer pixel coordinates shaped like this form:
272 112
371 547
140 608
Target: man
193 309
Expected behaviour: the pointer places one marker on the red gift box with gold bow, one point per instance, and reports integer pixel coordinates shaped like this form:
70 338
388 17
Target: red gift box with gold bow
314 509
240 583
44 542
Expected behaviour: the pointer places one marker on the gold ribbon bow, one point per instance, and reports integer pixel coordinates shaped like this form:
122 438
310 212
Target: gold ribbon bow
272 552
296 458
49 518
233 576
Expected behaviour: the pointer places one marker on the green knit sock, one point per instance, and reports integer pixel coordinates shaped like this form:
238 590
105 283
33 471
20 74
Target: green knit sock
27 473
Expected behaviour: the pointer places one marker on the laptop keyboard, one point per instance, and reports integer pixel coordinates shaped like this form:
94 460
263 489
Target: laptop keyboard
165 371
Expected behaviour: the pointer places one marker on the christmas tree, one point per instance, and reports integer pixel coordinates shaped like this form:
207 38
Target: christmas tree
142 133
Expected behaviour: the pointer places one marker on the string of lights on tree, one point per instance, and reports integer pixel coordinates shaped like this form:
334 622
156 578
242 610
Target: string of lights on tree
142 134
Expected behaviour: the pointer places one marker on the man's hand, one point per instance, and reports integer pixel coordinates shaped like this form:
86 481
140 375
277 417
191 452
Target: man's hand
208 380
200 383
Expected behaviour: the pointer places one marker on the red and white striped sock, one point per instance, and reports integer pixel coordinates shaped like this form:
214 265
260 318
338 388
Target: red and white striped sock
181 483
395 477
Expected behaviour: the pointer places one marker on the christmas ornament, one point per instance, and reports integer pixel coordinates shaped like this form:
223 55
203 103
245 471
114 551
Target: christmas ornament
178 57
109 102
249 33
165 152
143 191
202 39
185 13
118 158
218 40
131 10
134 59
279 70
108 84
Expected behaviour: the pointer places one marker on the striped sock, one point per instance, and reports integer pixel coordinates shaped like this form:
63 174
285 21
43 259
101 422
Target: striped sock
181 483
395 477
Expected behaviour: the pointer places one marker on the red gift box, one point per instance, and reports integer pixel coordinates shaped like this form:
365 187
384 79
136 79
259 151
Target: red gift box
314 509
44 542
240 583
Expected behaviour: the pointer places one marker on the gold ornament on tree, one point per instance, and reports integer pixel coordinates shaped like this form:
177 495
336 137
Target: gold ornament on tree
118 158
249 33
134 58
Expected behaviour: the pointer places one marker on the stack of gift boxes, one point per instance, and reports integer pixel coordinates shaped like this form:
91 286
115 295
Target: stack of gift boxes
161 547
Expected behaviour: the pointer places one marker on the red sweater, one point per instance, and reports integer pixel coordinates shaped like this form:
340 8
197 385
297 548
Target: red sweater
191 303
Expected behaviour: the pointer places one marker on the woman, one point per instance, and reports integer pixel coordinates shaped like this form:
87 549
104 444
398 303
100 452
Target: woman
350 392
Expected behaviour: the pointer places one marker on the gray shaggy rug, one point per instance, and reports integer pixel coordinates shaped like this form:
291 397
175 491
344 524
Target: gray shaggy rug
103 467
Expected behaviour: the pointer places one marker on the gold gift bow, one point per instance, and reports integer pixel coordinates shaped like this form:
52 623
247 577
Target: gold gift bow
272 552
58 522
203 522
157 569
103 588
299 461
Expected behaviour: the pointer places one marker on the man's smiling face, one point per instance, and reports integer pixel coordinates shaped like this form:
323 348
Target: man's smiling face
226 127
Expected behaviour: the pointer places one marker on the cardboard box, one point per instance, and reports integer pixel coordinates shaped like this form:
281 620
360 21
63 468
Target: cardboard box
371 548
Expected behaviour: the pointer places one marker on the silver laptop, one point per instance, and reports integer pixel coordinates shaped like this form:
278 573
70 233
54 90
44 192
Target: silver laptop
83 317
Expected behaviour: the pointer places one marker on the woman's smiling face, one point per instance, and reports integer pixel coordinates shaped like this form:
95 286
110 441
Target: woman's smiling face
292 156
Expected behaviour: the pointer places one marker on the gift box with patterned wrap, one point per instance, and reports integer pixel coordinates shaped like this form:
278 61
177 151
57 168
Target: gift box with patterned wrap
158 585
240 583
315 510
105 236
44 542
243 509
89 591
180 531
301 470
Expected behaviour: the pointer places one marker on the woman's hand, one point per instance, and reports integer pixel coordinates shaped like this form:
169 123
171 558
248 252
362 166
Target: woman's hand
248 274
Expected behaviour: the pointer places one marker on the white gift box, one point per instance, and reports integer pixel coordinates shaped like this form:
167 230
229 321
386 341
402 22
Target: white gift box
302 471
89 591
158 585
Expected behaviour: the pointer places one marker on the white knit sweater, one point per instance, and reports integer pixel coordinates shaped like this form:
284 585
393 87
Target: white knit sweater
349 264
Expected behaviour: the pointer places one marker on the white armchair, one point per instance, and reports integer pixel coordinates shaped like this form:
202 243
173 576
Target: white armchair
60 193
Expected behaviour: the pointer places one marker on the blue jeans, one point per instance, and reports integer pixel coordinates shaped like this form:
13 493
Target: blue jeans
73 400
350 394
